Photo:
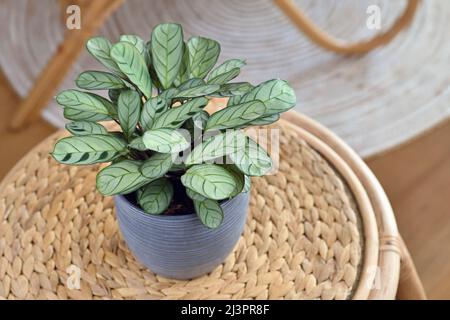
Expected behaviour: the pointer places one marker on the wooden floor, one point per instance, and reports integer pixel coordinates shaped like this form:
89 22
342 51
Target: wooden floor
416 177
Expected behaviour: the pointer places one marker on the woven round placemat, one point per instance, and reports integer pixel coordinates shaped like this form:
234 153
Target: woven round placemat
404 85
303 237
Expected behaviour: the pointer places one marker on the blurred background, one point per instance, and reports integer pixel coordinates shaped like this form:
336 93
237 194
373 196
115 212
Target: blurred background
391 105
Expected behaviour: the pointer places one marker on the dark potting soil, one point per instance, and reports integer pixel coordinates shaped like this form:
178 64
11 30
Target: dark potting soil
181 204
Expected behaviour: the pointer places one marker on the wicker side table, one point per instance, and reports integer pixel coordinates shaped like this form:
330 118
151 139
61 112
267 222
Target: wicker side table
312 232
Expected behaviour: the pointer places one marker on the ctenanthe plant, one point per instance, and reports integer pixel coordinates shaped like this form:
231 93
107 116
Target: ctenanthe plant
157 92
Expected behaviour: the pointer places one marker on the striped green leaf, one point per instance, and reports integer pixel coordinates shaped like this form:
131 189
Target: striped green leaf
112 108
120 178
225 77
276 94
156 196
199 91
174 118
191 83
165 140
216 146
133 65
203 55
157 165
83 101
183 73
198 121
195 195
234 100
88 149
148 112
167 52
78 115
99 80
239 177
252 159
137 144
99 48
82 128
235 116
209 212
136 41
168 95
211 181
233 89
247 184
265 120
129 109
226 67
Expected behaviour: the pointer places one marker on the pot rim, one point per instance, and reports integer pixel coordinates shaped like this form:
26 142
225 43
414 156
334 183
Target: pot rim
162 216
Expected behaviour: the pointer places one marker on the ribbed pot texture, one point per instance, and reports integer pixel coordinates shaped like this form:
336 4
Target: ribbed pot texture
179 246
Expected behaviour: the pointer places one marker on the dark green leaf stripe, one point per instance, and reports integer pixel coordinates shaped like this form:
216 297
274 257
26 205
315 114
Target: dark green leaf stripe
234 89
226 67
99 48
236 116
133 65
276 94
82 101
167 52
198 91
174 118
78 115
216 146
157 165
99 80
203 55
120 178
165 140
82 128
155 197
183 73
210 180
88 149
138 144
225 77
252 160
129 109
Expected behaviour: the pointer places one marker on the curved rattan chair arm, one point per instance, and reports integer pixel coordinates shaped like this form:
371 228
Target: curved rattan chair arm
321 38
410 286
387 278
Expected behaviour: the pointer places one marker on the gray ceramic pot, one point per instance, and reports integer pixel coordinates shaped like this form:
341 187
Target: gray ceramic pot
179 246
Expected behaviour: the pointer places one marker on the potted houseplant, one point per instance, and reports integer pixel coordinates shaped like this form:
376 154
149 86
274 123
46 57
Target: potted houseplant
180 210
